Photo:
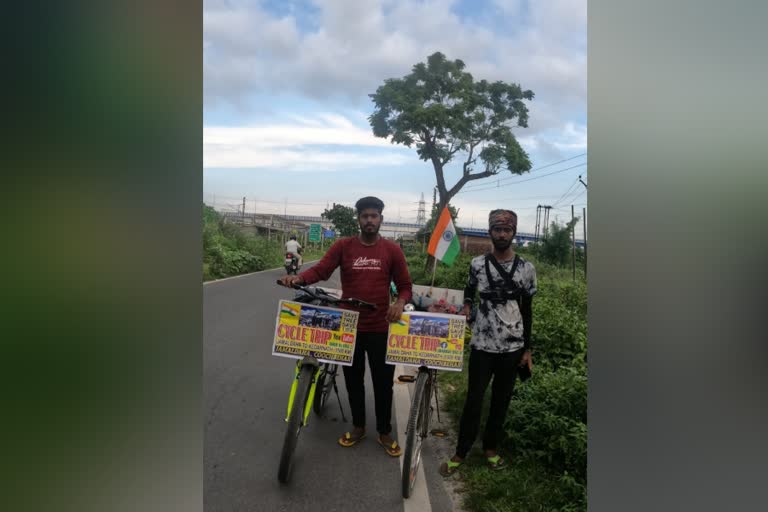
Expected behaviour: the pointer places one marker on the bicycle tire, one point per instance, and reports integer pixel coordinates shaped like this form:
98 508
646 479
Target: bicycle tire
324 384
293 428
416 418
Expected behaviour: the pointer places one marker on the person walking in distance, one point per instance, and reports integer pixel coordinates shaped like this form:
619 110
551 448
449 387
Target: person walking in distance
368 265
501 338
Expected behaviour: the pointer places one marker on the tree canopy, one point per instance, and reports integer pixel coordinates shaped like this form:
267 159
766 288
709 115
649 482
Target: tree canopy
343 218
445 113
556 247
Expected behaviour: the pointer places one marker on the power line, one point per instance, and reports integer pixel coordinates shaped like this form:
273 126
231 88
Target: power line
522 181
566 193
565 200
532 170
578 196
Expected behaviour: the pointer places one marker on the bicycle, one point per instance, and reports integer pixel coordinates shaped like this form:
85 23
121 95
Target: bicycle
309 374
420 414
419 417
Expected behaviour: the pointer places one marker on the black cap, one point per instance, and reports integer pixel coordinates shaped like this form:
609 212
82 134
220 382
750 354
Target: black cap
369 202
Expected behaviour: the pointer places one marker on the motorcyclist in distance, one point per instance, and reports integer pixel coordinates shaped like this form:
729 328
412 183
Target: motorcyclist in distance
294 247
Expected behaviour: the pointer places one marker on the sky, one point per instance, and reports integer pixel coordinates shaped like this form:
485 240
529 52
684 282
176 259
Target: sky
286 87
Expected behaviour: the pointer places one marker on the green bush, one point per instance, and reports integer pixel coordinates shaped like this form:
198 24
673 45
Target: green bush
454 277
546 421
524 486
559 334
228 251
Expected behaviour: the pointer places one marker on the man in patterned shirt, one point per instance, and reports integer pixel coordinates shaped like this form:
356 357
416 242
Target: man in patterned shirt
501 337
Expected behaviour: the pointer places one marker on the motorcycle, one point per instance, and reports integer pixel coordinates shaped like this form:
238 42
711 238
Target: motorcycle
291 263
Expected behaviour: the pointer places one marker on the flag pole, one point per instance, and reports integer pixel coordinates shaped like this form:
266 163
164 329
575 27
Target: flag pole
434 271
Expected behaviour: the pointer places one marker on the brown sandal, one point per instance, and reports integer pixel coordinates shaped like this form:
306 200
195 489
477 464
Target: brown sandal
348 439
393 450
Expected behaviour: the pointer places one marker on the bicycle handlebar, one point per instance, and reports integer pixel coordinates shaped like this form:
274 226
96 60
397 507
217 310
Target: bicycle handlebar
320 295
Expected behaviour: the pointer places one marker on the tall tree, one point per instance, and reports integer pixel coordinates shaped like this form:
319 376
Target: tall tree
449 116
343 219
556 248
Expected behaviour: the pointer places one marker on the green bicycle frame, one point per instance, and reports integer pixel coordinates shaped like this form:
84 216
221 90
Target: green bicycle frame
310 398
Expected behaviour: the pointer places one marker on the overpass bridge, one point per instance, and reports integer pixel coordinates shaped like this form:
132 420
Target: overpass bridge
389 229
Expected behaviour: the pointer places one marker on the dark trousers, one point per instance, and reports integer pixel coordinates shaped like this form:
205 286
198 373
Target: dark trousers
382 375
483 366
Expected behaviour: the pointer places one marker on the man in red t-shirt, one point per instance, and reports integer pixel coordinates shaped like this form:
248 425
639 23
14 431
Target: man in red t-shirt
368 264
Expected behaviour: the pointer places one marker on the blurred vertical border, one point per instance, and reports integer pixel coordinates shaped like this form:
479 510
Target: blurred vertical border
677 370
102 297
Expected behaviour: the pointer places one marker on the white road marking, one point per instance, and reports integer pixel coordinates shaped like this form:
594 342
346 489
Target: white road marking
419 500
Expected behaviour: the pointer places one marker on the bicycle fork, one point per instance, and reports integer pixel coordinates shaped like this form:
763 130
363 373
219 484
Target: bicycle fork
310 397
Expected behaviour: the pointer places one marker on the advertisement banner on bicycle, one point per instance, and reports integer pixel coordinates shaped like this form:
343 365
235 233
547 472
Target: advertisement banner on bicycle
435 340
327 334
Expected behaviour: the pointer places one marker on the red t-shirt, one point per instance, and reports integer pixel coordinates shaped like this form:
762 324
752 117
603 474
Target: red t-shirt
366 271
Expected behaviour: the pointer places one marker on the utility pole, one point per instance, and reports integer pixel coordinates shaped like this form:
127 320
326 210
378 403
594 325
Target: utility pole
573 238
584 223
285 221
242 217
545 222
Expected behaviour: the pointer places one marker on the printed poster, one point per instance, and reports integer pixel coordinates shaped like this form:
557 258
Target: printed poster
435 340
325 333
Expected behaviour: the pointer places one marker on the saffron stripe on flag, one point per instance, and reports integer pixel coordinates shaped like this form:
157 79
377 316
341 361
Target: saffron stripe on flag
443 244
442 223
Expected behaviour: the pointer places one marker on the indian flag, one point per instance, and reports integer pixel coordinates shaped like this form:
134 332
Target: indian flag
443 244
289 310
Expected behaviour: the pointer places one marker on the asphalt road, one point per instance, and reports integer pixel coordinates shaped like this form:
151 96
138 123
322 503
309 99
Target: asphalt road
245 394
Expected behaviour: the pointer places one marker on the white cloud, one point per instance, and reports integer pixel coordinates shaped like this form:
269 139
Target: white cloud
239 156
573 137
299 144
360 43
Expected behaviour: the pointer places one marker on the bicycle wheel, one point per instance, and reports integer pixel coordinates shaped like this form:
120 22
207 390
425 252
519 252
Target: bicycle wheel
294 422
324 385
417 419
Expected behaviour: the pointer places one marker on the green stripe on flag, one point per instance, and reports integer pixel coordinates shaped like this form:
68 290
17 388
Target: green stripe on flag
450 254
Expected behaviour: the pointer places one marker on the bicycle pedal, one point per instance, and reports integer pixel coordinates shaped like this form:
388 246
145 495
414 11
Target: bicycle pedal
438 432
406 378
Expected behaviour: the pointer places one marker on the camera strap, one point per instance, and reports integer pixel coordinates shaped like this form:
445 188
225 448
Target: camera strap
511 288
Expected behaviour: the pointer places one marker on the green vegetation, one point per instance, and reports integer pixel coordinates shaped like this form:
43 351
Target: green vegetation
557 247
344 219
546 436
227 251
